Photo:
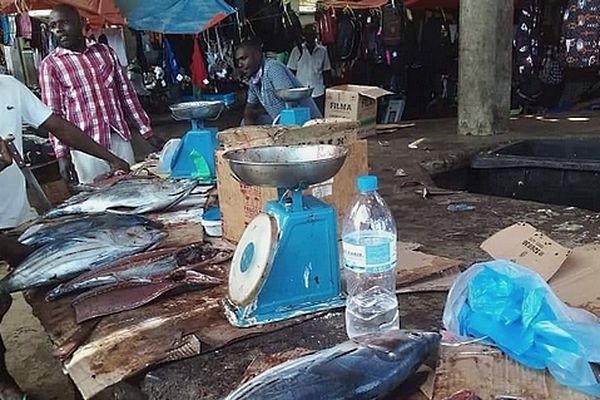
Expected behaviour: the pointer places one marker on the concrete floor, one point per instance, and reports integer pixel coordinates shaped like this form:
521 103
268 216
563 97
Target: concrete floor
423 221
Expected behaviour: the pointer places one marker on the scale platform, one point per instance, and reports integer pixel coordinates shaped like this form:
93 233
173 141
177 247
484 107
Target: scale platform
287 262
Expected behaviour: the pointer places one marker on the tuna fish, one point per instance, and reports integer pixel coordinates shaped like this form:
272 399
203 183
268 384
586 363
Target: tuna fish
144 268
347 371
130 196
51 230
59 261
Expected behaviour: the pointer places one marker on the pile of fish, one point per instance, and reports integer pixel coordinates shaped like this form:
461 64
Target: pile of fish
347 371
140 279
108 261
137 195
72 247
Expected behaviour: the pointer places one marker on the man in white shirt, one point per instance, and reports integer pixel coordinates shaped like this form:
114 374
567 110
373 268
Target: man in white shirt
312 67
17 105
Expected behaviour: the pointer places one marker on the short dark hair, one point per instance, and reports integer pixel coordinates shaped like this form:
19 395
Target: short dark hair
251 44
67 9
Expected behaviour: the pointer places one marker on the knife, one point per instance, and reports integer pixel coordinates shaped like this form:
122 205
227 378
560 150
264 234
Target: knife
34 185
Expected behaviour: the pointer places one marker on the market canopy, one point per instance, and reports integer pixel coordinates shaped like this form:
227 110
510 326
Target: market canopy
174 16
165 16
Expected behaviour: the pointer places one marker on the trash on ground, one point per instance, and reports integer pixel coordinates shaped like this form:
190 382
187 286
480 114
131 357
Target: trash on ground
430 192
520 314
461 207
400 173
548 212
383 143
568 227
416 143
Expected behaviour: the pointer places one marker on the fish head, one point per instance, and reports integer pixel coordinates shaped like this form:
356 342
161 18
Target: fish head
141 236
399 344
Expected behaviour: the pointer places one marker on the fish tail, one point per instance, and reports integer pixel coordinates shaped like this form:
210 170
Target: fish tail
183 196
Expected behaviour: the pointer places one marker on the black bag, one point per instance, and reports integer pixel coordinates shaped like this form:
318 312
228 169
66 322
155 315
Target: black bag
347 34
393 25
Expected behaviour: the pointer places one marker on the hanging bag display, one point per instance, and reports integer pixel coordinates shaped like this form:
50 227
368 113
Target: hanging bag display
581 31
327 27
393 24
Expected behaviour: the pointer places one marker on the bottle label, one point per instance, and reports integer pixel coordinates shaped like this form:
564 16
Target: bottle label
370 251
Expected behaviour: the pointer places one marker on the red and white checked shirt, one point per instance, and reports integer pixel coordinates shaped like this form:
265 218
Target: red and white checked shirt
90 90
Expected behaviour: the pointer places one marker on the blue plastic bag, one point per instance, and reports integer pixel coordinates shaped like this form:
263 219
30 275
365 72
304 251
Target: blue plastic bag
515 309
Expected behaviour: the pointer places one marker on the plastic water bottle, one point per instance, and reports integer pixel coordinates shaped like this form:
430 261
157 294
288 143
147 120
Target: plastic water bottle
369 246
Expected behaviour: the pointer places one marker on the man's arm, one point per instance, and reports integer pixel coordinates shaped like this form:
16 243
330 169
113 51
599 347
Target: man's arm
5 158
12 251
293 61
68 133
251 113
132 106
326 69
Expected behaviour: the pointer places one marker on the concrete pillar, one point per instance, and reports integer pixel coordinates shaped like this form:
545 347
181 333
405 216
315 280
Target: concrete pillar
485 65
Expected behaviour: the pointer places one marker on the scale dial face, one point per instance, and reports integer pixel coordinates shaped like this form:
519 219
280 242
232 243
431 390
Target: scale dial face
252 260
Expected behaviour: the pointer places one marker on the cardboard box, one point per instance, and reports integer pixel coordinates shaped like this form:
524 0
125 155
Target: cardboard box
241 203
357 103
523 244
492 375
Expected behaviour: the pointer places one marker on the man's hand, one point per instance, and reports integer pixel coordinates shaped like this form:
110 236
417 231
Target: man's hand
119 165
5 158
157 142
67 170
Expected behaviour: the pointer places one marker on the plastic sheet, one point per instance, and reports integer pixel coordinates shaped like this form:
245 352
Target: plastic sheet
518 312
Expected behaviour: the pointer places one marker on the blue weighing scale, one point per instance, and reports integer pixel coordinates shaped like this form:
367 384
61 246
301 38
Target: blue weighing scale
287 261
292 114
195 156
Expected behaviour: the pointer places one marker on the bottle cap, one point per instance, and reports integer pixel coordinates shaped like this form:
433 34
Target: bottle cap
366 183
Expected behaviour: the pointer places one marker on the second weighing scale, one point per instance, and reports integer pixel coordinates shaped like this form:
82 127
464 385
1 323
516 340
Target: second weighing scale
196 152
293 114
287 261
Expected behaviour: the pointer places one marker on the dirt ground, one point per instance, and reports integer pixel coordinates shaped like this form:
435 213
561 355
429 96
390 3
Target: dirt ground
425 221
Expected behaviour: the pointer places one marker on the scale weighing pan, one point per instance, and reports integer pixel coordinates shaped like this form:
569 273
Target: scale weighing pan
197 110
286 167
295 94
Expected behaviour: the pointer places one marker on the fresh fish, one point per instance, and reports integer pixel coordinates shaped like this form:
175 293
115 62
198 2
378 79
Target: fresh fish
347 371
143 268
129 196
59 261
50 231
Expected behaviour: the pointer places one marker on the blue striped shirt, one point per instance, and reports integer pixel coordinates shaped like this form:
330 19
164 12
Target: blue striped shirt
276 76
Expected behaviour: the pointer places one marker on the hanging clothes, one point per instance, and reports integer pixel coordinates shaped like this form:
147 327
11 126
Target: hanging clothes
114 38
527 39
581 33
174 70
5 25
198 67
25 26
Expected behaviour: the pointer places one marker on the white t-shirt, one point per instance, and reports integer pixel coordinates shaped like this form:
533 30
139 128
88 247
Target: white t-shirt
310 67
17 105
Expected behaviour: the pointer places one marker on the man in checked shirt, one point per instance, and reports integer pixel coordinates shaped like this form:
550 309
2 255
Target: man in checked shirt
85 85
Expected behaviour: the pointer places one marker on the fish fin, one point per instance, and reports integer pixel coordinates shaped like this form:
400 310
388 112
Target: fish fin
181 197
54 293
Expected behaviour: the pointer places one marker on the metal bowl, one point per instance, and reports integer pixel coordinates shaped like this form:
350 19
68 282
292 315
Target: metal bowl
197 110
295 94
286 166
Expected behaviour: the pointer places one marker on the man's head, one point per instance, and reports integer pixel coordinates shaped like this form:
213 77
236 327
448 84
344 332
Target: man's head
310 33
66 26
248 57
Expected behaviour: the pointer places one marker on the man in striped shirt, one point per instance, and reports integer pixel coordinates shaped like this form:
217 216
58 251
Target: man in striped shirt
86 85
